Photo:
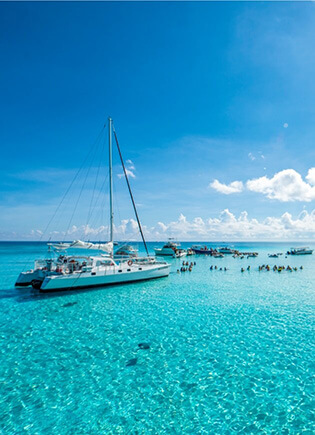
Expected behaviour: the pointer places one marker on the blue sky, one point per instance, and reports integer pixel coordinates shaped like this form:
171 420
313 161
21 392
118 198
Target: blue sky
198 91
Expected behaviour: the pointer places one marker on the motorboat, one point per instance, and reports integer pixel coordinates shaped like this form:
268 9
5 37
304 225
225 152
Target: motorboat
70 272
198 249
125 251
204 250
226 250
170 249
216 254
251 254
300 251
180 253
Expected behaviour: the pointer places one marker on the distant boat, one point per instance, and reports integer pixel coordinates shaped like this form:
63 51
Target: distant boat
73 272
204 250
170 249
252 254
125 251
227 250
300 251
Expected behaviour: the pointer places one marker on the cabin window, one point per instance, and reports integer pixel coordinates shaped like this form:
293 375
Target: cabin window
140 268
93 273
120 271
128 270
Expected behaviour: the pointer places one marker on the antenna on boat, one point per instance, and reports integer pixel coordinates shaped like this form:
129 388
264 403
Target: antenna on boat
110 121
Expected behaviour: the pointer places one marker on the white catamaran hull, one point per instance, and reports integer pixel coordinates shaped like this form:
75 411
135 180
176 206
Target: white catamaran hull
25 278
114 275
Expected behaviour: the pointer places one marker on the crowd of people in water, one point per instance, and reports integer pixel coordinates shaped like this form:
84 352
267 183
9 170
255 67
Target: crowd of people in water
218 268
186 266
276 268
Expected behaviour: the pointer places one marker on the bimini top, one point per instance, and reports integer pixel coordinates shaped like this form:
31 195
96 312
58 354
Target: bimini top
78 244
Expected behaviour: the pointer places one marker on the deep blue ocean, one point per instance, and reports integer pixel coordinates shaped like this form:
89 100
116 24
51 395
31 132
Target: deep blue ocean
229 352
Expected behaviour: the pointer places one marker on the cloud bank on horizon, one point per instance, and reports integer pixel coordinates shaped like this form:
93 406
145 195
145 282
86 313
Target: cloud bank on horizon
226 226
285 186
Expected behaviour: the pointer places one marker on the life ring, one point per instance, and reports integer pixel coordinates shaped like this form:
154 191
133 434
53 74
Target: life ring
130 262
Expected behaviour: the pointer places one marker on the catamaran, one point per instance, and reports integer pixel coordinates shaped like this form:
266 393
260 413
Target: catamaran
70 272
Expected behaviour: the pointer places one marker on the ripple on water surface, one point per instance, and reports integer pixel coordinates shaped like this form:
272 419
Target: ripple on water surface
220 352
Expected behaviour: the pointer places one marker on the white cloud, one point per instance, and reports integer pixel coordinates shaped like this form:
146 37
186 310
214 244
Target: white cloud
285 125
227 189
226 226
310 177
130 164
129 174
251 156
287 185
130 170
230 227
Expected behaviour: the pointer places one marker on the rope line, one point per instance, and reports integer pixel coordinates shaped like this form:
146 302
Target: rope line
130 193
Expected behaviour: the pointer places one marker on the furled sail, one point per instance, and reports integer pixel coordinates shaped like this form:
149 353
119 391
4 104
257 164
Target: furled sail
79 244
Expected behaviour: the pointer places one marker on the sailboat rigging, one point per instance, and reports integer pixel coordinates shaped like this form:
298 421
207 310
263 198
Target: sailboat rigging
69 272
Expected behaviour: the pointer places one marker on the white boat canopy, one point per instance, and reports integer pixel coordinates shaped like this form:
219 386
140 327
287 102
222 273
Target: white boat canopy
78 244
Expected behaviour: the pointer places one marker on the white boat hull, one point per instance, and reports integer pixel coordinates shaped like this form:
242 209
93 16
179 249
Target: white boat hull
101 278
26 278
165 252
180 254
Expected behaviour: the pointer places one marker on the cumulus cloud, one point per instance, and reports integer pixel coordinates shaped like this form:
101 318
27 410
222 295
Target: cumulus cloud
310 177
130 170
227 189
226 226
251 156
285 125
287 185
129 174
130 164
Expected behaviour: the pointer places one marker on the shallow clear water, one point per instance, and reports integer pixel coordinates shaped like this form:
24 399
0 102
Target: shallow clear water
229 352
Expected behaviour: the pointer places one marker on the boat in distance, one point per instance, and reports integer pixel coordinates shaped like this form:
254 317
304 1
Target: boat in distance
170 249
300 251
71 272
227 250
201 250
204 250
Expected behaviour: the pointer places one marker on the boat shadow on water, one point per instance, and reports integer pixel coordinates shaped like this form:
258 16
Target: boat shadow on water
28 294
32 295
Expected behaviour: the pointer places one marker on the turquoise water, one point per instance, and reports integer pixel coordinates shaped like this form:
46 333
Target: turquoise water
229 352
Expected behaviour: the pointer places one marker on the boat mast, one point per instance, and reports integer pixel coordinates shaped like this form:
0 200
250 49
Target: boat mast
111 209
